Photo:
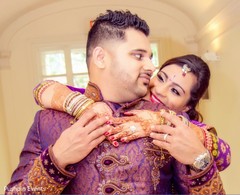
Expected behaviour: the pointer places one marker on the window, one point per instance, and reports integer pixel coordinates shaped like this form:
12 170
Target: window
68 65
155 61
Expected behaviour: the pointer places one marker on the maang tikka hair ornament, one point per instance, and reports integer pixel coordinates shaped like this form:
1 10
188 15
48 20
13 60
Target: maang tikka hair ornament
185 69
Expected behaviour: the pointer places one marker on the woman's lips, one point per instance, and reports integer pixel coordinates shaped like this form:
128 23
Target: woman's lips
154 99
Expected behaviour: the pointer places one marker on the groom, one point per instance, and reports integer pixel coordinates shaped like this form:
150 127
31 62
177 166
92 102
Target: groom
60 158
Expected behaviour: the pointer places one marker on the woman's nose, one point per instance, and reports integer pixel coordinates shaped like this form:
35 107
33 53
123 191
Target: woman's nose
161 89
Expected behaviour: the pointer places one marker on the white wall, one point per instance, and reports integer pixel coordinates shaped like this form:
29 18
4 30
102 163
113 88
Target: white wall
223 107
63 22
4 149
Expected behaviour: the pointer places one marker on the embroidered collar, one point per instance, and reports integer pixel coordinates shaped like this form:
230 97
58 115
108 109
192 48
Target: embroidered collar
92 91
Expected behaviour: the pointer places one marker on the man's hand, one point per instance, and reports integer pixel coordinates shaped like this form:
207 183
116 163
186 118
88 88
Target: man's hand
76 142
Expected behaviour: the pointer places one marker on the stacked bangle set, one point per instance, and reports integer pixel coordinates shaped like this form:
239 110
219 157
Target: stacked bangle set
74 104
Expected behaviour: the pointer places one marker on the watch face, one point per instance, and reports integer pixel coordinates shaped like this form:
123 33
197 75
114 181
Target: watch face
202 161
201 164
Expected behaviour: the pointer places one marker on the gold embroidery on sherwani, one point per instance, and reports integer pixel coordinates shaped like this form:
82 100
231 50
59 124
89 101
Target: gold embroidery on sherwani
158 158
107 161
111 187
39 177
213 186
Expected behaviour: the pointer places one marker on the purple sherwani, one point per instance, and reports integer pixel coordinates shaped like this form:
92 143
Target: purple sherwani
137 167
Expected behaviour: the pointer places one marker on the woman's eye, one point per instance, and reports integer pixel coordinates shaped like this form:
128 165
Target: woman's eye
160 77
175 91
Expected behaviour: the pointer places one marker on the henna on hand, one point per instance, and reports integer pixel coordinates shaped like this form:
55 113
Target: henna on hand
142 120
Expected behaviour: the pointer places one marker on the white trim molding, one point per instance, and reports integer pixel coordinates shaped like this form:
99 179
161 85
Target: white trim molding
155 7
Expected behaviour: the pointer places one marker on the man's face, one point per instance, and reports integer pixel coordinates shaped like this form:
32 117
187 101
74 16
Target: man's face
130 66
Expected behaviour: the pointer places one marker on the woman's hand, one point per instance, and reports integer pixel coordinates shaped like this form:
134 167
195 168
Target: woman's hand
129 131
101 108
180 140
136 125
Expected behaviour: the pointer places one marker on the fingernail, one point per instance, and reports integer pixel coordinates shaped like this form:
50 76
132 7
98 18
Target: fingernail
123 139
112 138
127 113
108 122
115 143
106 133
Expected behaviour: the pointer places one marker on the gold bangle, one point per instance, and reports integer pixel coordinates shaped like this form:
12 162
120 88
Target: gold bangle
81 111
40 89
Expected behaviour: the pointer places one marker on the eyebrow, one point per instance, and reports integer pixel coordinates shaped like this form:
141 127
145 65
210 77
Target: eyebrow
172 81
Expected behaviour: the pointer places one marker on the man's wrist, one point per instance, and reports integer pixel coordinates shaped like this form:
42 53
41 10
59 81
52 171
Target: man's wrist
60 175
59 162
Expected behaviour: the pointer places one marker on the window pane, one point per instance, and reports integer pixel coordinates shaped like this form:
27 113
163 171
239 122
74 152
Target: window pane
62 79
53 63
78 57
80 81
154 48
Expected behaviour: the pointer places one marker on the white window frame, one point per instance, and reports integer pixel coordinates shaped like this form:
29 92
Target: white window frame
66 48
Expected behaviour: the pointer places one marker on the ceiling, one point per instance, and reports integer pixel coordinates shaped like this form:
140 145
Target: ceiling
201 11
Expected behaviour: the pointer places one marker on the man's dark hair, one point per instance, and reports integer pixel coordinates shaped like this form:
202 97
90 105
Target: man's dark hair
112 25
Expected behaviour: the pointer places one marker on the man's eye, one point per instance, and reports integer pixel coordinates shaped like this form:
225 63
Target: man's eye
138 56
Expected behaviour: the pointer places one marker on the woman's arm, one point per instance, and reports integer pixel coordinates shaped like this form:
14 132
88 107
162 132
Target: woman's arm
54 95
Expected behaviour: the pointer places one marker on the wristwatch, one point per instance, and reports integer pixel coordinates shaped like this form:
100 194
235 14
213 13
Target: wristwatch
201 162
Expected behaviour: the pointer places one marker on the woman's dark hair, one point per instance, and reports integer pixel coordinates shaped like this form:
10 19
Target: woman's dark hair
201 70
112 25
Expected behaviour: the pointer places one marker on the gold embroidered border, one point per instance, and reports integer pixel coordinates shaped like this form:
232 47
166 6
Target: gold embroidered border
40 182
213 186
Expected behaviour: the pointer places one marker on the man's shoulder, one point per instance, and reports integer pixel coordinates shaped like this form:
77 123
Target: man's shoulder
51 112
53 116
148 105
49 124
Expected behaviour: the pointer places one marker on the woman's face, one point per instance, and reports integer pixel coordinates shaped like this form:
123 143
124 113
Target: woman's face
171 88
